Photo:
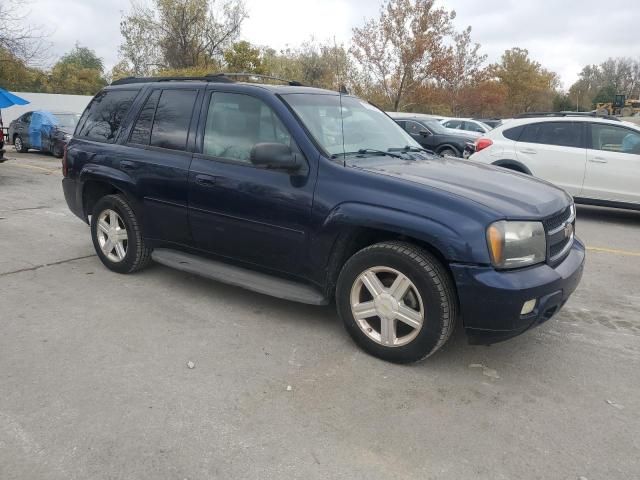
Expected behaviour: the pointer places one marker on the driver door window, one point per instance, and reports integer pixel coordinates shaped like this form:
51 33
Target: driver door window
236 122
414 128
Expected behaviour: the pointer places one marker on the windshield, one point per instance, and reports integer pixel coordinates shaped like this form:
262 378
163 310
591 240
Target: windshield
435 127
355 126
67 120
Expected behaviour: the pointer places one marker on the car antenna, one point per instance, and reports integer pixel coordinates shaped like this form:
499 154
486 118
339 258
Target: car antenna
344 156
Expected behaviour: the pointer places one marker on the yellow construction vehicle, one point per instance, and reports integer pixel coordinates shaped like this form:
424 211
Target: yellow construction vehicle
621 106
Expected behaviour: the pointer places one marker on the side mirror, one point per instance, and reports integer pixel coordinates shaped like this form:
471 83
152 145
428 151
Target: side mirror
274 155
425 133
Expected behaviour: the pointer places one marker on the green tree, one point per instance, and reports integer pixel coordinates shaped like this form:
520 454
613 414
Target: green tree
82 57
243 57
529 86
403 48
179 34
79 72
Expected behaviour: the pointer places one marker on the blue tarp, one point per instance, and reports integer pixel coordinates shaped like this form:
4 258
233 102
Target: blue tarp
7 99
41 124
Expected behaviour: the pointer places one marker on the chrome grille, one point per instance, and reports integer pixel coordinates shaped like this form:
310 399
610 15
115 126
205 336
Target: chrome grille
560 234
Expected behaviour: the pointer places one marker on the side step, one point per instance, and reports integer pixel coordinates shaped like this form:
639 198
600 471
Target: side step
240 277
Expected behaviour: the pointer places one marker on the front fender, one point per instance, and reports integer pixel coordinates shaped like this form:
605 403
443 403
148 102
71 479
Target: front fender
458 239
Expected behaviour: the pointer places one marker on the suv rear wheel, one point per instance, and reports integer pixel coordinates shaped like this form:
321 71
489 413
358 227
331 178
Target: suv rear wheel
396 301
117 236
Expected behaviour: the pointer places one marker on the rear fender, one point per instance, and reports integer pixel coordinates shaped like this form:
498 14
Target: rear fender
116 178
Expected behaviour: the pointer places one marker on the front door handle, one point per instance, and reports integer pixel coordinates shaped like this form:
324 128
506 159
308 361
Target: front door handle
205 180
598 160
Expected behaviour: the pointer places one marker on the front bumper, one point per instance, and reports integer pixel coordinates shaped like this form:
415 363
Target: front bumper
491 300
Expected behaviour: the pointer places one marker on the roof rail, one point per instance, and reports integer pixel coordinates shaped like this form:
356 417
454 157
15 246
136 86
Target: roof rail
212 77
292 83
565 114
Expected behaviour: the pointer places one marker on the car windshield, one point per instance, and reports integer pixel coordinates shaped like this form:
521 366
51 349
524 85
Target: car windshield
344 124
67 120
435 126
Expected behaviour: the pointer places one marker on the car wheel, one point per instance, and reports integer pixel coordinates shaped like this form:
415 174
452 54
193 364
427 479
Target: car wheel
57 150
449 152
19 144
397 301
117 236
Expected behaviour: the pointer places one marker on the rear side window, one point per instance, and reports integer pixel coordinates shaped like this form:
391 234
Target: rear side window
563 134
141 132
172 118
513 133
104 115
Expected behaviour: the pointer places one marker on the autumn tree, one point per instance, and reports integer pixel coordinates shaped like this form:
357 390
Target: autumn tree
179 34
464 69
404 47
528 85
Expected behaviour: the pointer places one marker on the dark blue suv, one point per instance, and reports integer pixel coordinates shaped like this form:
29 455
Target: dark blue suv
312 195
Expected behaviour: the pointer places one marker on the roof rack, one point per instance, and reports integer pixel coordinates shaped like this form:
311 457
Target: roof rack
565 114
212 77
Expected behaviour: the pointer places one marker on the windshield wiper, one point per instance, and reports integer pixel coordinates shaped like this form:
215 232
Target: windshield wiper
364 151
411 148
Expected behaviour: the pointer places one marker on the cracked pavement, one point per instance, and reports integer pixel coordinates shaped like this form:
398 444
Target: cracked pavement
96 380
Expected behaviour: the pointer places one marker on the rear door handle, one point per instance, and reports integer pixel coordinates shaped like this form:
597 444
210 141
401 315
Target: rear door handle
127 165
528 151
598 160
205 180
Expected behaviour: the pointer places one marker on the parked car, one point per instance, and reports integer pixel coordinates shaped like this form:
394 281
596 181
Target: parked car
42 130
430 134
467 125
311 196
596 160
492 122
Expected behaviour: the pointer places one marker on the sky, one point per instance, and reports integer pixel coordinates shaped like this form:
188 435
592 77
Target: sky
563 35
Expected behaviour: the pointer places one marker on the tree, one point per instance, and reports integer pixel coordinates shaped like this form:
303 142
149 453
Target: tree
464 69
528 85
16 75
562 102
243 57
79 72
82 57
18 38
404 47
178 34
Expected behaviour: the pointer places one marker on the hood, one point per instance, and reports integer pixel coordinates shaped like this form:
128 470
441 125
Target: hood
510 194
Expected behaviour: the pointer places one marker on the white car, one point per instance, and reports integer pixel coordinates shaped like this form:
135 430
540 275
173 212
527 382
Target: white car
595 160
468 125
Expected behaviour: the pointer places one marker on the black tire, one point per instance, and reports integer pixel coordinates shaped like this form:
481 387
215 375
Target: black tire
434 286
137 254
17 142
449 151
57 151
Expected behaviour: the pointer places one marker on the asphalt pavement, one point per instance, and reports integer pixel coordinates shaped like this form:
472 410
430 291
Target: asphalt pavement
96 379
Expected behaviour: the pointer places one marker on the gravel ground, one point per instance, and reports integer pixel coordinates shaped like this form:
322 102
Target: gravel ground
95 382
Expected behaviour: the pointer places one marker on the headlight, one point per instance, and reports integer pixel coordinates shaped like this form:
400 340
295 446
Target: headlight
516 244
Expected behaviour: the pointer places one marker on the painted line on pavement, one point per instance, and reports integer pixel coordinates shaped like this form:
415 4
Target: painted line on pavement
614 251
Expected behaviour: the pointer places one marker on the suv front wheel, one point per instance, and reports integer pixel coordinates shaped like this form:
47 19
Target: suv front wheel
396 301
117 236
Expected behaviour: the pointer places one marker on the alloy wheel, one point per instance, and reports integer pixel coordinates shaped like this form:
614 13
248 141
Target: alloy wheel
387 306
112 235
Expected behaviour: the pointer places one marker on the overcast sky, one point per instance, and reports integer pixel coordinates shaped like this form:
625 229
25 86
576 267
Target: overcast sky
563 35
